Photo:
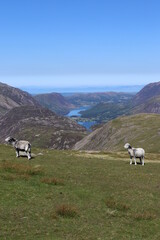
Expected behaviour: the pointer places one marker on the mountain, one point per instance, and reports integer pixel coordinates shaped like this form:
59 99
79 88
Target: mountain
149 91
92 99
150 106
55 102
41 127
141 130
147 100
11 97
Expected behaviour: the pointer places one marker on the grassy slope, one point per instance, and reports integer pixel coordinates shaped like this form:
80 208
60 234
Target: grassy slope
139 130
113 199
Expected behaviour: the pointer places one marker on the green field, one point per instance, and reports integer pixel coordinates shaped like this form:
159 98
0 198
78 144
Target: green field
65 195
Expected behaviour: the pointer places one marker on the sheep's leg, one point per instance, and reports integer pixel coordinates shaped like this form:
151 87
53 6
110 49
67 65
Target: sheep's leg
140 160
130 160
143 161
29 155
17 153
135 161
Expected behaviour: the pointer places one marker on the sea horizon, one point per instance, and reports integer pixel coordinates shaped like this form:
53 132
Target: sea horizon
89 89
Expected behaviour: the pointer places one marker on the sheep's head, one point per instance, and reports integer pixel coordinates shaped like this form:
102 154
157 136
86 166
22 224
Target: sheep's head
10 140
127 145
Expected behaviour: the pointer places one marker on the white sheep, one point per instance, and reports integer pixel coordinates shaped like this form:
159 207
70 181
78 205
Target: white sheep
135 153
21 145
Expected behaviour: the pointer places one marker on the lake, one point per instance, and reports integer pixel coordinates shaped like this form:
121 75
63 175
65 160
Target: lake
76 113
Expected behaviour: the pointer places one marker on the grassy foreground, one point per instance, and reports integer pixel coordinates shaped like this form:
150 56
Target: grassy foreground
71 195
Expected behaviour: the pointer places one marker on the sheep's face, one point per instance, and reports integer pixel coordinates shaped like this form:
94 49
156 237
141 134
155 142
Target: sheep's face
9 139
127 145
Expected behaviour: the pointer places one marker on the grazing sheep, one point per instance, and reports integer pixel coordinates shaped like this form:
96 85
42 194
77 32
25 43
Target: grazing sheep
136 153
21 145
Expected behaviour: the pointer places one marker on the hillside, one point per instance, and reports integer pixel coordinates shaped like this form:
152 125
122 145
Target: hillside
150 106
139 130
104 112
11 97
55 102
91 99
145 101
41 127
149 91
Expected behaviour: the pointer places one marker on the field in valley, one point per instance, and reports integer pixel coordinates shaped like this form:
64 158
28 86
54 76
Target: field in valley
78 195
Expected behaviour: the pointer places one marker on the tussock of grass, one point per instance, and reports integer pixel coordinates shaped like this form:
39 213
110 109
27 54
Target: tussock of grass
112 204
21 168
52 181
144 216
66 210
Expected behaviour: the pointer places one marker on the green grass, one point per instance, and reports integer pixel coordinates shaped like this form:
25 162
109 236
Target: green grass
140 130
71 195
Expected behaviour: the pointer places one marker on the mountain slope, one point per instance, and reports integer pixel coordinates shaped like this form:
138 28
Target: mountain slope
91 99
103 112
41 127
139 130
11 97
145 101
55 102
149 91
150 106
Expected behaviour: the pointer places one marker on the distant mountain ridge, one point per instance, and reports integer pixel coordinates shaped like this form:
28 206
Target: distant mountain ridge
82 99
145 101
83 89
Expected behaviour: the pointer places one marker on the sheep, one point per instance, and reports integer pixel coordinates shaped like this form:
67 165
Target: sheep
21 145
136 153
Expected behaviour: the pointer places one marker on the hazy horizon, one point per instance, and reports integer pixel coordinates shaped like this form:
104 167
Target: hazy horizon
82 89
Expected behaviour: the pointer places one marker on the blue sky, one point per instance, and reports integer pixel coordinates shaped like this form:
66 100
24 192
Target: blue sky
79 42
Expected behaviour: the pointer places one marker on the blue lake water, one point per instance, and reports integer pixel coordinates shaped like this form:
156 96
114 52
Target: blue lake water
76 113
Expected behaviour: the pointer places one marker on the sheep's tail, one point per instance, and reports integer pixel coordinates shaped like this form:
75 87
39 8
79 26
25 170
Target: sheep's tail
28 148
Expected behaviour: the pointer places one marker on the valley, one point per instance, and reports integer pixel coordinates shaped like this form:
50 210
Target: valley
72 121
76 115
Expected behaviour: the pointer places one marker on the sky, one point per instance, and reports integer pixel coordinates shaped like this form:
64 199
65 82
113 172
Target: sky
63 43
